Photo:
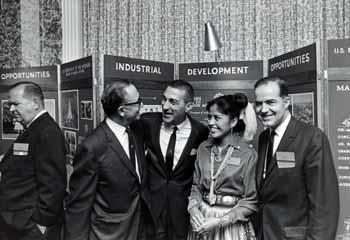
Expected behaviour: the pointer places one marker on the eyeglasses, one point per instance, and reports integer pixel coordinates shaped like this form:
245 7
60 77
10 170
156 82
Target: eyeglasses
138 102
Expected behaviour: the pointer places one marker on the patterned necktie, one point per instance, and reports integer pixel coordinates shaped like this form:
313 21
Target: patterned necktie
169 157
131 146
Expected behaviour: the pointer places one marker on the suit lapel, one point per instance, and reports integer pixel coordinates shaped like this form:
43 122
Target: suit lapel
117 148
139 155
287 138
188 147
160 164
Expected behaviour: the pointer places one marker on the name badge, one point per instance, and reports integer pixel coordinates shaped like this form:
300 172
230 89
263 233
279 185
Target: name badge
234 161
20 149
285 159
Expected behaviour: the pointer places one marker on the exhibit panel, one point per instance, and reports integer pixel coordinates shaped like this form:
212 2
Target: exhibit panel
77 102
212 79
46 77
150 78
339 124
299 69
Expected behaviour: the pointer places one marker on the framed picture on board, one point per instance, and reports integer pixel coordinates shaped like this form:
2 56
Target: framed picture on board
70 109
71 142
86 110
303 107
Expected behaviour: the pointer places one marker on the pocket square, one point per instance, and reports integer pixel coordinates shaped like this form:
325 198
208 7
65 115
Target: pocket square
193 152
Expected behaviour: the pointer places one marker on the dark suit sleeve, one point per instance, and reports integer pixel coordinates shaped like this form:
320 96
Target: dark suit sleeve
49 157
82 185
322 187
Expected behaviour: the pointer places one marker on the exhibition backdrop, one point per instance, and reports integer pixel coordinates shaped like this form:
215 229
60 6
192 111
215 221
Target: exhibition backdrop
77 115
46 77
299 68
339 123
149 77
73 97
214 78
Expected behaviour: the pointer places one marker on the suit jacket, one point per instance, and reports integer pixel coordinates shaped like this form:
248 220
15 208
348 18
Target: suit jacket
33 180
171 191
106 193
299 198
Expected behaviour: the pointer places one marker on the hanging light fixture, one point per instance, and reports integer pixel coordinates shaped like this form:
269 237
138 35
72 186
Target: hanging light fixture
211 40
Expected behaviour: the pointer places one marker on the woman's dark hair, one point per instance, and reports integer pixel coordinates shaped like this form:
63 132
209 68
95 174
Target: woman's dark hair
231 105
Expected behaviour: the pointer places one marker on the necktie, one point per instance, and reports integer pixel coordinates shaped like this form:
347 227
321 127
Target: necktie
131 147
169 157
270 160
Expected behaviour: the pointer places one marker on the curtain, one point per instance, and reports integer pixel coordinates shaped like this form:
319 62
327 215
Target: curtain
173 30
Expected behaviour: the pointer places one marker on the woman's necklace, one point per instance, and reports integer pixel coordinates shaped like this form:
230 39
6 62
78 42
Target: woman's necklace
217 156
213 177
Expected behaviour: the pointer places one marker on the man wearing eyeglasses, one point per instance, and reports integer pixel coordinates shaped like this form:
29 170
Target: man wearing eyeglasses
109 197
173 139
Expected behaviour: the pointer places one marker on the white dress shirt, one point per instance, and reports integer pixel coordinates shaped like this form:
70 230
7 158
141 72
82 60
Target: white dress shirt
182 135
279 131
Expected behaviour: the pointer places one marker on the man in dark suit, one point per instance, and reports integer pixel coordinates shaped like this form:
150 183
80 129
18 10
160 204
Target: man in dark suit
33 171
171 155
109 198
296 179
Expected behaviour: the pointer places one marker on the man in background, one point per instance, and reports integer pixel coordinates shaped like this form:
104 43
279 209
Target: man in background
109 197
296 180
172 140
33 171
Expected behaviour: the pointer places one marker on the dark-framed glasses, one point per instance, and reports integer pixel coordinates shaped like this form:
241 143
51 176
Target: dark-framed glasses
138 102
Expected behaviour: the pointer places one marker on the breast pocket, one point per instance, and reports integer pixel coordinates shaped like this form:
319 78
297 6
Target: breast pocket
22 165
295 233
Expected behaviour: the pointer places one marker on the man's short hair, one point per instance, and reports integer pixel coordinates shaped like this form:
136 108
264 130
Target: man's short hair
183 85
30 90
282 84
113 96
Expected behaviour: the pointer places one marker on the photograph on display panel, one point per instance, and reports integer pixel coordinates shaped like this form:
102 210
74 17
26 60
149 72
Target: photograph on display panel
86 110
71 142
10 126
303 107
70 109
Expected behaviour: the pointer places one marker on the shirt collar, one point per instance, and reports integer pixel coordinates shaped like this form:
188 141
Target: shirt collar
36 116
117 128
234 141
280 129
184 125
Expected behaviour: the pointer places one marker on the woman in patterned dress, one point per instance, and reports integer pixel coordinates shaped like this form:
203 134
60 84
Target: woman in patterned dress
223 194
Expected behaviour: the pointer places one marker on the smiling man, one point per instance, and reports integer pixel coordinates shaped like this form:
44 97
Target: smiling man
296 180
172 146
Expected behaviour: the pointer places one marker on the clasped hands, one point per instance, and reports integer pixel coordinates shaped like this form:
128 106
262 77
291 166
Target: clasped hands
203 225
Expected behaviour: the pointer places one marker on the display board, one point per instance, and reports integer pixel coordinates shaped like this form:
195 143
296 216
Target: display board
46 77
299 68
149 77
213 78
339 123
77 104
